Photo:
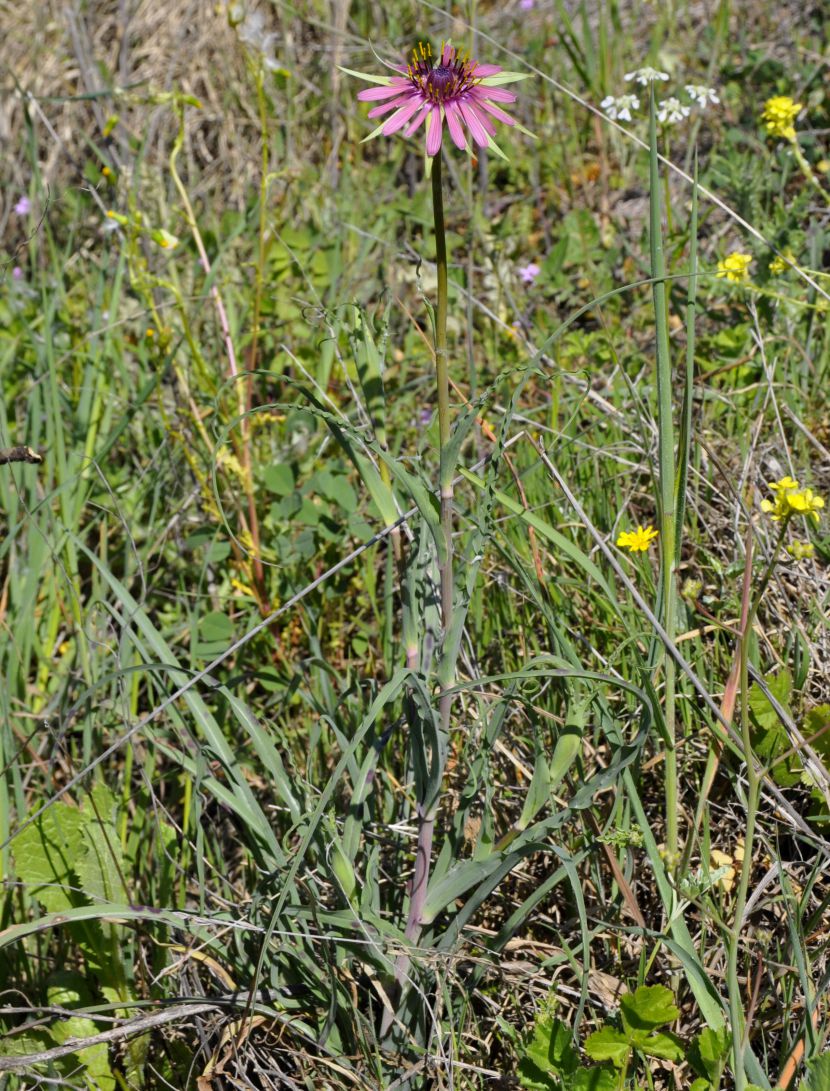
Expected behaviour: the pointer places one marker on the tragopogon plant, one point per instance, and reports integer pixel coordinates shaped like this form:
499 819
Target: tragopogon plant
448 88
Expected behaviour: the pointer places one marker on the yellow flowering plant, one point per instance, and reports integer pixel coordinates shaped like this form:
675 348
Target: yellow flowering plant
780 264
735 267
779 114
791 500
637 540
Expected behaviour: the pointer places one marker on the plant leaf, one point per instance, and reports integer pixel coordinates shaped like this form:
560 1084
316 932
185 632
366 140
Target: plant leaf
608 1044
647 1007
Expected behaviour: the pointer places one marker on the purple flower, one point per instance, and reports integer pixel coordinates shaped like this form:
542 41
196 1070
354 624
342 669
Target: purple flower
526 5
424 418
23 206
17 273
529 273
451 88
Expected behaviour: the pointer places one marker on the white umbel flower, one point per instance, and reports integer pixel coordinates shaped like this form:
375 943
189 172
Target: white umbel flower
702 95
619 109
671 111
645 76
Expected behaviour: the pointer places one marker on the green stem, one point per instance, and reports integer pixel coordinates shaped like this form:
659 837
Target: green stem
426 808
668 527
426 816
736 1012
753 779
807 170
442 376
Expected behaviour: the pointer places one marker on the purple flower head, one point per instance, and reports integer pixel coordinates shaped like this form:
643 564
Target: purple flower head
23 206
424 418
526 5
17 273
530 272
451 88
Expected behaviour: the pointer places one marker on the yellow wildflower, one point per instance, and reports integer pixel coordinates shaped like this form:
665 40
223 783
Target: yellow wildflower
735 267
805 503
779 114
786 484
790 500
800 550
639 539
781 264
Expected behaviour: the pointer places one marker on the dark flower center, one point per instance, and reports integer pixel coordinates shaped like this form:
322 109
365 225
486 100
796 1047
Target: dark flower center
446 80
441 79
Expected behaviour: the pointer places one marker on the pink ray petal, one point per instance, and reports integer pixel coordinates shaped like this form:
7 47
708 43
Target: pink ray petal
370 94
496 112
447 55
474 124
435 131
417 119
399 119
455 126
497 94
486 122
385 107
482 70
484 119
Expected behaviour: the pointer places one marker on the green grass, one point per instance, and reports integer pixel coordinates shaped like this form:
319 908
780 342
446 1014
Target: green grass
222 643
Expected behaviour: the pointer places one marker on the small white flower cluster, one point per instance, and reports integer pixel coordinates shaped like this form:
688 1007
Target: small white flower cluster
702 95
619 109
645 76
670 110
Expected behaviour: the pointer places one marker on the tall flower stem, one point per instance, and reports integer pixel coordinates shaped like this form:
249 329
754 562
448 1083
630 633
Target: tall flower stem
442 375
807 170
427 813
753 794
667 492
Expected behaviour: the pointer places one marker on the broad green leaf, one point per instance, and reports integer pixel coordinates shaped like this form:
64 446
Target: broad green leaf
648 1006
533 1078
551 1049
95 1058
19 1045
658 1044
608 1044
215 627
67 991
101 866
708 1052
594 1079
46 853
338 489
279 479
